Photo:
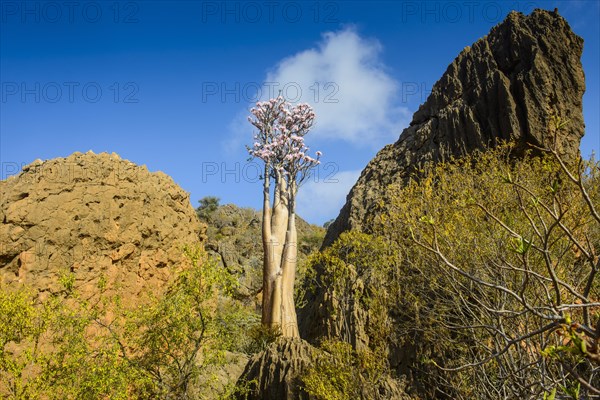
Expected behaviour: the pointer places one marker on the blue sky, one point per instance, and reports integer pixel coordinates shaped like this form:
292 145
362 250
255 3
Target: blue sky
169 84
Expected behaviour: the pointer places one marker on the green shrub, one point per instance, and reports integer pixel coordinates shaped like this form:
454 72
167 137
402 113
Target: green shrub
498 264
208 205
342 373
479 279
68 348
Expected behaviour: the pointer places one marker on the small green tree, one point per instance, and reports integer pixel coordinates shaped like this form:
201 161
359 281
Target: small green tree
181 334
46 350
208 205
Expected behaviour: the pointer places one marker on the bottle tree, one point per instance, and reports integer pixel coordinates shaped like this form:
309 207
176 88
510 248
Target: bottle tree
279 143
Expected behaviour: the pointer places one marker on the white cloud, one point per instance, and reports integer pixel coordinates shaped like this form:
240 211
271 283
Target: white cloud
320 200
347 85
367 112
344 80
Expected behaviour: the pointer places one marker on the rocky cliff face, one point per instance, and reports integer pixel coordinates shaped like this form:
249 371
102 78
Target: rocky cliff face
96 218
505 86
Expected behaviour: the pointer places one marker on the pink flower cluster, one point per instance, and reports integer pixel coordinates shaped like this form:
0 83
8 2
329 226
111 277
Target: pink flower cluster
280 138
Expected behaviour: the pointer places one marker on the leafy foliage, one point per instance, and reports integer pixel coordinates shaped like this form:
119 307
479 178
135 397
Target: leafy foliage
49 354
208 205
260 337
499 266
67 348
342 373
484 284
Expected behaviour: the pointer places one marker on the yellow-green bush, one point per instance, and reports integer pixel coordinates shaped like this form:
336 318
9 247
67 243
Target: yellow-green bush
67 348
499 254
342 373
335 375
484 282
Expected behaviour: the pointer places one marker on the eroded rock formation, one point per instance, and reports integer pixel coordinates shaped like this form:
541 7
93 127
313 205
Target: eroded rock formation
506 86
275 373
105 220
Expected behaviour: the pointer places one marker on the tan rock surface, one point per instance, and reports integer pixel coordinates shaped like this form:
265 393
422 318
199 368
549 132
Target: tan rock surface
103 219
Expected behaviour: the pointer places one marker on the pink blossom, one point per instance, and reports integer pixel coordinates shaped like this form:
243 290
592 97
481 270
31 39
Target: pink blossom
279 141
